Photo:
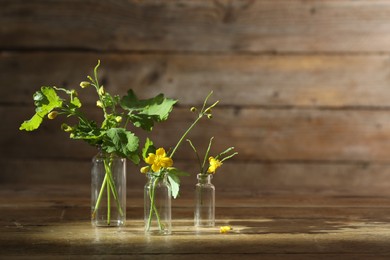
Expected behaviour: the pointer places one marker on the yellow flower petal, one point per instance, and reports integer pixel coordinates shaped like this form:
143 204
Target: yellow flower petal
214 165
225 229
159 160
150 158
156 167
160 152
166 162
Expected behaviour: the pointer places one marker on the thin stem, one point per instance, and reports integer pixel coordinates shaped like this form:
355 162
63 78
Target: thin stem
207 152
153 206
184 135
99 197
111 182
108 203
228 157
197 155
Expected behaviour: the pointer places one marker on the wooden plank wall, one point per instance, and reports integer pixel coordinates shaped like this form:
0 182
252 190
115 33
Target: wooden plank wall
304 86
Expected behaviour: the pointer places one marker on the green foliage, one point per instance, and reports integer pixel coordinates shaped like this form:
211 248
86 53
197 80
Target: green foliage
160 107
112 135
120 141
144 113
148 148
174 180
45 101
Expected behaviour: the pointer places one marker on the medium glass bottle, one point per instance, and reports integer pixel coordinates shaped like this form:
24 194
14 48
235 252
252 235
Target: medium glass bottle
157 205
204 201
108 190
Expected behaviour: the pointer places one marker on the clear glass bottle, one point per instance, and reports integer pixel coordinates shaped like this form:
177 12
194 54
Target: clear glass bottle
108 190
157 206
204 201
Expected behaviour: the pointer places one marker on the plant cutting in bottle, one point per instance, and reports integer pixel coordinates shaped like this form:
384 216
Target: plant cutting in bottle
160 165
112 135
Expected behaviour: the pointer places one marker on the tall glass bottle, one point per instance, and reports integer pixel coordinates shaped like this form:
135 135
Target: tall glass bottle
108 190
204 201
157 206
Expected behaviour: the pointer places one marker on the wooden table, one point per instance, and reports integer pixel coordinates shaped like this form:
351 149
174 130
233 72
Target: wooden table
53 221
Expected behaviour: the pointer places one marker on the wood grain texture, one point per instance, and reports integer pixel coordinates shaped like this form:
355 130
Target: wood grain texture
239 80
181 25
47 221
257 134
243 178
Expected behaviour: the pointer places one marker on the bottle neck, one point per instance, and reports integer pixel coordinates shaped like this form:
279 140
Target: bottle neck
204 178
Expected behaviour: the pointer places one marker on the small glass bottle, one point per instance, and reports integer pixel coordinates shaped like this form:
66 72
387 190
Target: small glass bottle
108 190
157 206
204 201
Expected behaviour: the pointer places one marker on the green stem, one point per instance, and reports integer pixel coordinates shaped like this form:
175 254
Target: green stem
153 206
99 197
111 183
185 134
108 203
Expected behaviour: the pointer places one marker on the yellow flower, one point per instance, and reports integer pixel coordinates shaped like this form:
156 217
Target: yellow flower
52 114
225 229
214 165
159 160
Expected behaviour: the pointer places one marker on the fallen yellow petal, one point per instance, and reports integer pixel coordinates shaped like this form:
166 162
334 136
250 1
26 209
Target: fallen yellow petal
225 229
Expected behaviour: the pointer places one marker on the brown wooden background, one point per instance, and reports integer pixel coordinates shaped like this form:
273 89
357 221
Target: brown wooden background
304 86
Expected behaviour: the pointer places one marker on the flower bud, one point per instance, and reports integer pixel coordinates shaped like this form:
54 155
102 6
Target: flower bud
101 91
118 119
52 114
73 92
99 103
209 116
193 109
144 169
66 128
84 84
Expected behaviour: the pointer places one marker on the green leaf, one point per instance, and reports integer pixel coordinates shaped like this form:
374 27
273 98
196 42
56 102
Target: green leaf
148 148
146 122
89 132
174 181
160 107
143 113
120 141
76 102
134 157
45 100
31 124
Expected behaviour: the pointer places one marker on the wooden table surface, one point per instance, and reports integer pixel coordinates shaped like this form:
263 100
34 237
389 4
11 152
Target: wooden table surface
53 222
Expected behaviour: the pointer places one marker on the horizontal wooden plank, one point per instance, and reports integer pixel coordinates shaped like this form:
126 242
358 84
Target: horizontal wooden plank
257 134
247 180
239 80
181 25
265 236
290 226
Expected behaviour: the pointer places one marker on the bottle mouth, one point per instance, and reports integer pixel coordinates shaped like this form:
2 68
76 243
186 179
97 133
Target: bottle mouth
202 176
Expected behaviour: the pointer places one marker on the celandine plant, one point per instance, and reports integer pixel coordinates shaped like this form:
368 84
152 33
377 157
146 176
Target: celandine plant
112 136
204 214
164 179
